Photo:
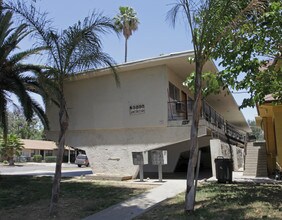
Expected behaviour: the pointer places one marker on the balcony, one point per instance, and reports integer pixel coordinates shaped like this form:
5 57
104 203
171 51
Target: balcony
181 112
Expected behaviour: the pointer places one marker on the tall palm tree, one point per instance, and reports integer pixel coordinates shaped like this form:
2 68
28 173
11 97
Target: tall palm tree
126 22
74 49
13 77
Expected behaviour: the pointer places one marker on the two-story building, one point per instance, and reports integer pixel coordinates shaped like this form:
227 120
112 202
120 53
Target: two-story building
150 110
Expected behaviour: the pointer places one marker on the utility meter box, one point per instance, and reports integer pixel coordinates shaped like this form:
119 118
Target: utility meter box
159 157
140 158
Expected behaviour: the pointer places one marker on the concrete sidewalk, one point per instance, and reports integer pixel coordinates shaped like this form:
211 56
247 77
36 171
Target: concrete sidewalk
171 187
238 177
135 206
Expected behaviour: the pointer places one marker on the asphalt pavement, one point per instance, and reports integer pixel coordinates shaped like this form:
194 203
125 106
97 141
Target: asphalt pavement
44 169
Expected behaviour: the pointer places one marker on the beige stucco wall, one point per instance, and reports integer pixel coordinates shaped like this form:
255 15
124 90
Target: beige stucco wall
101 123
97 103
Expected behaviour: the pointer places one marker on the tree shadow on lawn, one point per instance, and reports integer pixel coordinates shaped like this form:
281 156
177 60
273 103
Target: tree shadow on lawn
238 201
224 201
19 193
244 193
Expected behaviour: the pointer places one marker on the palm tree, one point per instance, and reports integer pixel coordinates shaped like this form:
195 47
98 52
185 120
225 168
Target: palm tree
13 77
72 50
126 22
10 147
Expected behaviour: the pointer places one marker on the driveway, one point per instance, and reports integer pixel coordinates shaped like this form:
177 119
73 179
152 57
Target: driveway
43 169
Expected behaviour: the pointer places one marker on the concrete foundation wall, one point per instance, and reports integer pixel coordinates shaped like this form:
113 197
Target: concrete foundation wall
219 148
110 151
174 152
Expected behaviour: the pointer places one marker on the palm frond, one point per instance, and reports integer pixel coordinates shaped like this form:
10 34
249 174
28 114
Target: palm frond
172 14
49 84
81 44
41 114
18 88
37 21
126 21
15 58
5 25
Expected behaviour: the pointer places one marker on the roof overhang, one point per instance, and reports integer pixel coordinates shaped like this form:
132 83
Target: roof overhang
40 145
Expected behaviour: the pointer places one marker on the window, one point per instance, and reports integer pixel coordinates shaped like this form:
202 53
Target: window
174 92
48 153
32 153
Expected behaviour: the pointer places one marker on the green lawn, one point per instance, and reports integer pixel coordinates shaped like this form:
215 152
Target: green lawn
225 201
28 198
24 197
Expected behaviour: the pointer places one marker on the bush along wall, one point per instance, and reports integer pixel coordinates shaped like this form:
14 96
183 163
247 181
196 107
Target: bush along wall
37 158
50 159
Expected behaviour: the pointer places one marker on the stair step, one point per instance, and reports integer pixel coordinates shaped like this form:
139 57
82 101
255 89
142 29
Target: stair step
251 164
255 164
255 161
255 167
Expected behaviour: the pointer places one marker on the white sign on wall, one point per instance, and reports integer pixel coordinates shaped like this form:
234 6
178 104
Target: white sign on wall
136 109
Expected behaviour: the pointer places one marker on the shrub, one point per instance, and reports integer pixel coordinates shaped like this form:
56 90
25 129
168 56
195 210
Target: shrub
37 158
5 162
50 159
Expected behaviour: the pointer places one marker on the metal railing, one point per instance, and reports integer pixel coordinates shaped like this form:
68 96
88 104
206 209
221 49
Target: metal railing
234 133
182 110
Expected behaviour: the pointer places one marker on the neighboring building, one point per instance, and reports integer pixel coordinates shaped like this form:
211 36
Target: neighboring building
150 110
270 120
43 148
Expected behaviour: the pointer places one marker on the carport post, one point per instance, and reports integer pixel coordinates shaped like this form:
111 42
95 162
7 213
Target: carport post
69 155
141 172
160 171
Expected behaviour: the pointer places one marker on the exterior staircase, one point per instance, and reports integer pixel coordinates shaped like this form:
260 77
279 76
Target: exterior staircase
255 161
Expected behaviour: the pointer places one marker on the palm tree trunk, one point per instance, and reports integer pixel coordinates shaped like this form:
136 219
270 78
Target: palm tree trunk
64 122
194 150
125 50
11 161
4 126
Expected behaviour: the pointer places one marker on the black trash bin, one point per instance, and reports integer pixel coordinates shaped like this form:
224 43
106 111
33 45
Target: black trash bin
224 168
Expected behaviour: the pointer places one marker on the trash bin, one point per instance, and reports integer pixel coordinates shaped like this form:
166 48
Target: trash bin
224 168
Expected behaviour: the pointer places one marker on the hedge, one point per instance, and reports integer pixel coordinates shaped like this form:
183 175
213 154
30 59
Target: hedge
37 158
50 159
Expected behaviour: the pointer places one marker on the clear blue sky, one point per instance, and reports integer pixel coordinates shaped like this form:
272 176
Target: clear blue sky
154 36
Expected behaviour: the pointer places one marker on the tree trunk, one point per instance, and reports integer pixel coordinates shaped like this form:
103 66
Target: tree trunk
11 161
64 122
194 149
125 50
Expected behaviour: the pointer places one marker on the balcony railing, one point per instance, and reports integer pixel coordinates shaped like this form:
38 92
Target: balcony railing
182 110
